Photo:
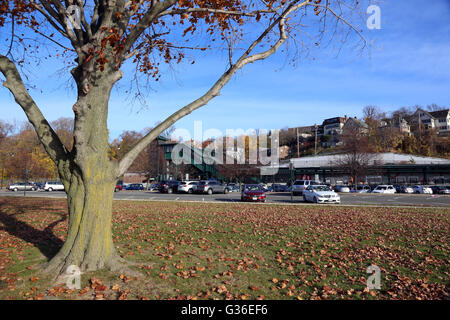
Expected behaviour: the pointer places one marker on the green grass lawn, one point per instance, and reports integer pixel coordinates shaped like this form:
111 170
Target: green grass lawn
235 251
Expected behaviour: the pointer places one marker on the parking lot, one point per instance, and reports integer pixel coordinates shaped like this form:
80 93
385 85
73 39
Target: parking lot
415 200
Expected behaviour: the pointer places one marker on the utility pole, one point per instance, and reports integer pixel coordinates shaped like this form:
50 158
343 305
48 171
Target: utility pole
3 173
292 175
315 140
298 146
3 170
420 127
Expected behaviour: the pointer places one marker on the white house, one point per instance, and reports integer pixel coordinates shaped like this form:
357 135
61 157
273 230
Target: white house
439 120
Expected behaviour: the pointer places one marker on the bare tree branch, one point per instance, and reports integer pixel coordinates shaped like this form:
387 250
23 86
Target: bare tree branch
146 21
214 91
52 144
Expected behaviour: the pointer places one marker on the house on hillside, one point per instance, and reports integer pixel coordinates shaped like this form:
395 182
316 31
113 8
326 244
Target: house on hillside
334 126
438 120
356 124
401 125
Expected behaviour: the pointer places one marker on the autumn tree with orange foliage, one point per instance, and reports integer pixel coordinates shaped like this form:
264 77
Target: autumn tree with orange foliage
98 37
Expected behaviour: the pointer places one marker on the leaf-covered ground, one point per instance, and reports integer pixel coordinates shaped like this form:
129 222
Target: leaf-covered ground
236 251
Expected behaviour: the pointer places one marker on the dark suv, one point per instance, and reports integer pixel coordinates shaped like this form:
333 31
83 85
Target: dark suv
440 190
168 186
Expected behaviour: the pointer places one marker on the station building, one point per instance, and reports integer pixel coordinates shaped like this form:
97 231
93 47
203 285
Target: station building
383 168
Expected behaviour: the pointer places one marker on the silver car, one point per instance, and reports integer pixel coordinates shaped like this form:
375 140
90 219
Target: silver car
21 186
422 189
211 187
188 186
320 194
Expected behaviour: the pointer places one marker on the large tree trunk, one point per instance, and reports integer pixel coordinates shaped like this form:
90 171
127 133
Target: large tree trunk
89 243
89 181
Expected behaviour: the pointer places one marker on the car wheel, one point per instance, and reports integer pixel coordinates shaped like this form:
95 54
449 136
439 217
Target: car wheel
190 191
316 200
50 189
225 191
304 199
15 189
210 191
116 189
169 190
33 189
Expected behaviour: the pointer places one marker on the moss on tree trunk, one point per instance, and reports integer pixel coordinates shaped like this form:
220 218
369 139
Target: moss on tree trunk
89 181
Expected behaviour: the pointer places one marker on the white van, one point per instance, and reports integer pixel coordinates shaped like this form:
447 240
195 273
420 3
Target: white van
300 185
53 186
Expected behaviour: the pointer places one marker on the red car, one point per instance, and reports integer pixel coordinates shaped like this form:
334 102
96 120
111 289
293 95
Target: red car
253 192
118 188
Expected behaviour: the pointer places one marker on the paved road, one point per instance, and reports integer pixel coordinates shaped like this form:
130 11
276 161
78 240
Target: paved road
416 200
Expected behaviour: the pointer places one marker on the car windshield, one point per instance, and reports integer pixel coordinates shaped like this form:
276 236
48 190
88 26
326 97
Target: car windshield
253 188
320 188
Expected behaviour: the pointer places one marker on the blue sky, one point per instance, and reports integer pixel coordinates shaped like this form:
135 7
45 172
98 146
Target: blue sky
408 64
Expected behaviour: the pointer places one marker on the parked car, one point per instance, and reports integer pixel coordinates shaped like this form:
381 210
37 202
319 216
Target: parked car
21 186
253 193
135 186
53 186
276 187
384 188
39 185
211 187
341 188
168 186
440 189
188 186
422 189
320 194
233 187
403 189
406 189
300 185
153 187
363 189
118 187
